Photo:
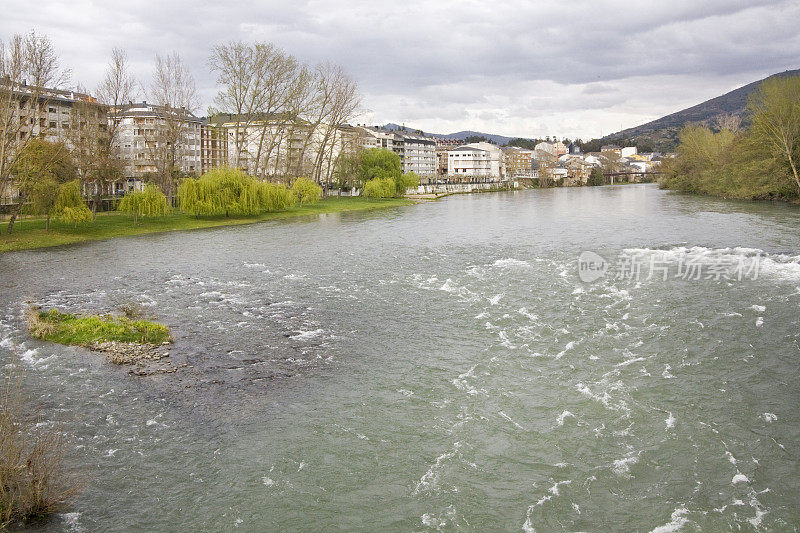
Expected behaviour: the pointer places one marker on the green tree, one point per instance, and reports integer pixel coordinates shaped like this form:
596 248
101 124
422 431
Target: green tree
40 171
380 188
306 191
148 202
70 205
775 112
409 179
378 163
228 191
596 177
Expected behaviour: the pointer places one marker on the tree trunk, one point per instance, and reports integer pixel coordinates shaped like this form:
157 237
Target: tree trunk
13 218
47 223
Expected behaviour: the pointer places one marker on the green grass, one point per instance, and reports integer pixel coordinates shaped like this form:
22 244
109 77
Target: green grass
31 233
84 330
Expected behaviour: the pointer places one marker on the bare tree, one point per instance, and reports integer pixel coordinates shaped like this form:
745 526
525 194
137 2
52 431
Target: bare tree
173 90
29 66
117 89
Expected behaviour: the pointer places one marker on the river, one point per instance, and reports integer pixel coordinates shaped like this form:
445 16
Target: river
437 367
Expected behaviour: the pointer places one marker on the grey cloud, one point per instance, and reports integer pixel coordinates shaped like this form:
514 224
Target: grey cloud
520 68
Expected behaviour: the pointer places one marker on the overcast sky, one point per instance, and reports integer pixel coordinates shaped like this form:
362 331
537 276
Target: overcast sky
565 68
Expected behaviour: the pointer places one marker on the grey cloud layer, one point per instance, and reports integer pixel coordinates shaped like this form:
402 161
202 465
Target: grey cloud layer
521 68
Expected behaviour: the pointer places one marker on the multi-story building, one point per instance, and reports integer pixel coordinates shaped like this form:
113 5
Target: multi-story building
443 146
476 162
417 152
146 132
54 115
213 146
518 162
468 163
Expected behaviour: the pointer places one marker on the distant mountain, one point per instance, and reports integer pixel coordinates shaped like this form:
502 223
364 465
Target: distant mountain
662 133
498 139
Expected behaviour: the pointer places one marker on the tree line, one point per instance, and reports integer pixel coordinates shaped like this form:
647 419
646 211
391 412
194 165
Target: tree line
759 162
287 118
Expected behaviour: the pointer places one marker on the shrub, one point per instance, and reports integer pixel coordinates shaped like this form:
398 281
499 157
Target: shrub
380 188
306 191
409 179
148 202
69 205
33 481
228 191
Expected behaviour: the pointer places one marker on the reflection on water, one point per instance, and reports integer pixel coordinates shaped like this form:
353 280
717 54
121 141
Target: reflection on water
439 366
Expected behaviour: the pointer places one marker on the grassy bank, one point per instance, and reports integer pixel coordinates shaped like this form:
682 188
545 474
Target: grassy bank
31 233
85 330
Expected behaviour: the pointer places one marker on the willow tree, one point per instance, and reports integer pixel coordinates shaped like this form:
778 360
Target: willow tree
40 171
306 191
228 191
28 65
775 112
149 202
70 205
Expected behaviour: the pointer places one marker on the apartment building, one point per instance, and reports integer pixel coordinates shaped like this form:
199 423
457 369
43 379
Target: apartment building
417 152
518 162
147 131
54 115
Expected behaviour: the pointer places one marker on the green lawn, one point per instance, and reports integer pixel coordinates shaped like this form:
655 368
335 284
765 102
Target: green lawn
30 233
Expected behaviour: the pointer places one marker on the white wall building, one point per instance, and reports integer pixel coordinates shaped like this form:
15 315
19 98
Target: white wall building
417 152
142 136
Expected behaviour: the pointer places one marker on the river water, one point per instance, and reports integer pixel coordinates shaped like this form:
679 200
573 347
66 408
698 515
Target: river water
437 367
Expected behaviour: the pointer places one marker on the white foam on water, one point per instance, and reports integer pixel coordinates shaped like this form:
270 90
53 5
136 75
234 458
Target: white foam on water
623 466
308 335
254 265
501 413
505 341
666 374
268 481
527 314
629 362
739 478
430 479
494 300
512 264
677 521
71 521
570 345
670 421
770 417
27 356
560 419
731 458
759 321
758 308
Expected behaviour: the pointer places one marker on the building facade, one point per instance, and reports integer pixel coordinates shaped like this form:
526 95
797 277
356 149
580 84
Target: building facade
146 132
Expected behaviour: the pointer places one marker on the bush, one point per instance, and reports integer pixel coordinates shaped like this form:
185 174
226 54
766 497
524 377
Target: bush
380 188
306 191
69 205
228 191
148 202
409 179
33 481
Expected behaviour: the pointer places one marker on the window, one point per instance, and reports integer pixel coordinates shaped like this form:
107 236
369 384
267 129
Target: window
53 124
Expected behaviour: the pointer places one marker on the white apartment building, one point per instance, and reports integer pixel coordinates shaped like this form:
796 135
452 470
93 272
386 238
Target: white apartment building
143 134
475 161
417 152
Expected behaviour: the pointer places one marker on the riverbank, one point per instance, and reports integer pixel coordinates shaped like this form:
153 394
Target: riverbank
31 234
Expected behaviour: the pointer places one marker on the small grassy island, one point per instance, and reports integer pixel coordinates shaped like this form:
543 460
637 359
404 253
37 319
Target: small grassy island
89 330
125 340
